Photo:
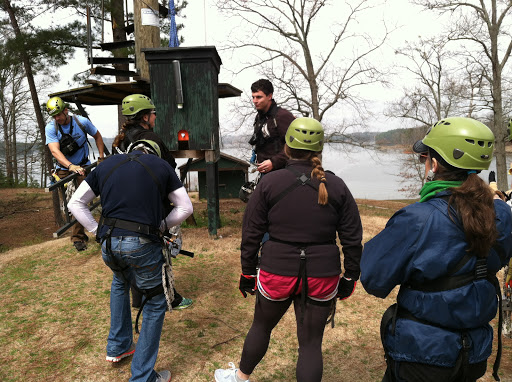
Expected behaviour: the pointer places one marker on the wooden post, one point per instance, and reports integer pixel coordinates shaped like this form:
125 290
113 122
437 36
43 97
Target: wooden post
212 182
147 32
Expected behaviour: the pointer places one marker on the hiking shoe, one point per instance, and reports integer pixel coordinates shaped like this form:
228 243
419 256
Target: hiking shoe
227 375
163 376
185 303
127 353
80 245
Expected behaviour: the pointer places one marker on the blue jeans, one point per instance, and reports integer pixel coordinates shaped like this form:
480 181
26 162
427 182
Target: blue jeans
136 260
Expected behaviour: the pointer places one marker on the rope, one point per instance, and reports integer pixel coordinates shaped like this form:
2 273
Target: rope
173 33
168 284
70 190
167 276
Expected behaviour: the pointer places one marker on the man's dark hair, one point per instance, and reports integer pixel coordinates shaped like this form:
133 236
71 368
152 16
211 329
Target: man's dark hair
264 85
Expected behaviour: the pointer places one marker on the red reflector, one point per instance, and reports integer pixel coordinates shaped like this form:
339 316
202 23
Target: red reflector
182 135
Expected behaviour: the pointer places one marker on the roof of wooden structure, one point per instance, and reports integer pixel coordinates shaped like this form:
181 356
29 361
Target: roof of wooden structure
112 93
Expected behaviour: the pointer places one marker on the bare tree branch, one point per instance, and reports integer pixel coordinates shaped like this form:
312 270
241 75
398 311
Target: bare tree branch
281 44
486 25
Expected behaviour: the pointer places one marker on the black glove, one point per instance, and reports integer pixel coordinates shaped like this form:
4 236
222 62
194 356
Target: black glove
492 176
247 284
345 288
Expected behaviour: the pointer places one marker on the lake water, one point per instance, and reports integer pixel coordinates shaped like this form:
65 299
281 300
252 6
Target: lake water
368 174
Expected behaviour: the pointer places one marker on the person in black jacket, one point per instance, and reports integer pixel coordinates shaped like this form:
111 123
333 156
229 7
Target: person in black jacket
304 209
141 116
270 127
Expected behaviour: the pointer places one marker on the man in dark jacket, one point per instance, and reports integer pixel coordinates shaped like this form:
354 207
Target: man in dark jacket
270 127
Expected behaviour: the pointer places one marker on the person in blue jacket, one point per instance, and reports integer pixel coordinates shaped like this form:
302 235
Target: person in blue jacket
444 252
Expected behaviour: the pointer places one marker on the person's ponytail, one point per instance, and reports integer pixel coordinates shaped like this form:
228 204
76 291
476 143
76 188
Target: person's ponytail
319 173
122 134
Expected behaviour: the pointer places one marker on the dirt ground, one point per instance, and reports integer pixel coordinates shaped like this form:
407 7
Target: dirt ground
43 304
26 217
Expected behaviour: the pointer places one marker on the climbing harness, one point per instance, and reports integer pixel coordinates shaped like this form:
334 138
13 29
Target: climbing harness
441 284
448 282
302 180
302 276
167 286
68 145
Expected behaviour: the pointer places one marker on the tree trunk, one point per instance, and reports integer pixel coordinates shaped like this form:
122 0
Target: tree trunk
7 148
14 152
35 101
497 107
119 34
499 133
147 36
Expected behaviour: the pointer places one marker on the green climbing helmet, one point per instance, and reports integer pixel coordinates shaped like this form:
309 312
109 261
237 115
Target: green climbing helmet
55 105
305 134
134 103
462 142
146 145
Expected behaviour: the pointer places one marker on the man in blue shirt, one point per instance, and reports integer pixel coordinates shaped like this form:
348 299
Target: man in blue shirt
66 137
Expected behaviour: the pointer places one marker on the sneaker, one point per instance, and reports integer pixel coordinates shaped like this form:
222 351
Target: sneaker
163 376
80 245
127 353
185 303
227 375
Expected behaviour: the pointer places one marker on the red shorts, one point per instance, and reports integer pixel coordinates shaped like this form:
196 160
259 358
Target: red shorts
278 288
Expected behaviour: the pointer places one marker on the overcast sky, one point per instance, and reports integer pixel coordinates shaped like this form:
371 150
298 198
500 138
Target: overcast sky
210 28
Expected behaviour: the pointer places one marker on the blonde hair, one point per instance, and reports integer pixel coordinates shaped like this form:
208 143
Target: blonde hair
317 172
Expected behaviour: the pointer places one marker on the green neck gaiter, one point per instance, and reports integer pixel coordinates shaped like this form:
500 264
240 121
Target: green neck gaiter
429 189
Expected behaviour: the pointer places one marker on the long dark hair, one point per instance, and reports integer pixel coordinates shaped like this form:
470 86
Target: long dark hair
317 172
129 123
474 202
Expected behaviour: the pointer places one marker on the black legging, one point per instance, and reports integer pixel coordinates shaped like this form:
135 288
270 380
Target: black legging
310 335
